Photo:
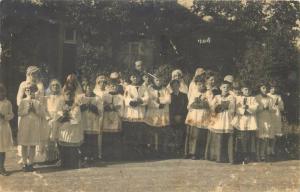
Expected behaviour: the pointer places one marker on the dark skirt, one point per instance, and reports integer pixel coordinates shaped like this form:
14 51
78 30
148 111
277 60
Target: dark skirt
51 151
89 147
2 160
112 146
245 145
196 139
69 156
220 147
265 149
134 140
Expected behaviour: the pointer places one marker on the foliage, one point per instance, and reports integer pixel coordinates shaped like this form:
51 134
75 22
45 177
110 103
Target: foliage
265 33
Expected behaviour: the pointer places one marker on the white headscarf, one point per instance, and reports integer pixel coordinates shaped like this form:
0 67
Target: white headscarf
183 87
98 90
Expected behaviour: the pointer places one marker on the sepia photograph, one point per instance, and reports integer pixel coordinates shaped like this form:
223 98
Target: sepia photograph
149 96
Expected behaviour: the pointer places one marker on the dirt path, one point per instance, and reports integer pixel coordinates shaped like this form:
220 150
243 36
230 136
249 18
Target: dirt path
163 176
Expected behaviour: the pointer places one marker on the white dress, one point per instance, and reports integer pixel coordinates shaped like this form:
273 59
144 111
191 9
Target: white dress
112 120
133 93
54 104
70 133
192 89
30 124
21 91
6 141
91 122
245 119
155 116
198 117
278 106
221 122
265 130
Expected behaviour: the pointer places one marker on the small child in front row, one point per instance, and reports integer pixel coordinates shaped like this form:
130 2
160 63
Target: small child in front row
197 121
30 112
245 127
91 108
6 115
53 103
70 133
265 133
276 117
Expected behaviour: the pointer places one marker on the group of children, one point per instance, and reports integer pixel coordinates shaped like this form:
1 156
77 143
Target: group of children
115 120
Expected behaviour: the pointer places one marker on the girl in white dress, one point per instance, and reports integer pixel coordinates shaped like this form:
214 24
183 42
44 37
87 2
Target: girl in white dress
276 116
32 76
53 105
100 91
29 133
6 115
265 133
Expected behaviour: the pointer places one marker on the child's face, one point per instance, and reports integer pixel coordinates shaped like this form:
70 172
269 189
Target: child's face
157 82
176 76
175 87
55 87
88 90
138 66
113 88
146 78
272 90
245 91
101 82
68 96
224 88
133 79
29 92
200 86
263 89
211 80
33 76
236 91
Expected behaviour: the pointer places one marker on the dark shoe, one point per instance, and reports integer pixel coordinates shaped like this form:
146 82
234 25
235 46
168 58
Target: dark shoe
270 158
25 168
246 161
30 168
3 172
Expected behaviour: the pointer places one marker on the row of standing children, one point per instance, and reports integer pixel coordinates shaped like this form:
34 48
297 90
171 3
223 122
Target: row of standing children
220 126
